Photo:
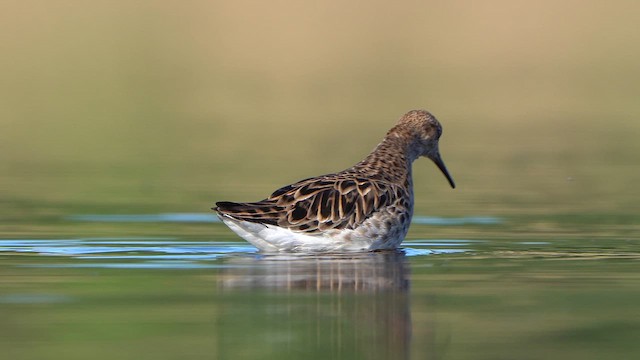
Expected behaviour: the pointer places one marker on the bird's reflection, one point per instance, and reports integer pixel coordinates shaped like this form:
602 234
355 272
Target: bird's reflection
329 306
370 272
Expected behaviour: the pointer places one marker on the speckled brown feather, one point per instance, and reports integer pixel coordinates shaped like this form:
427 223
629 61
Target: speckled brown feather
345 200
334 201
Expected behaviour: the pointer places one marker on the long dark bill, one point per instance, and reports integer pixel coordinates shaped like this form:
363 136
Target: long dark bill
438 160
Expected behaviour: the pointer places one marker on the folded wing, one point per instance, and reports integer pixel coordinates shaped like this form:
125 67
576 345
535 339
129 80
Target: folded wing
316 205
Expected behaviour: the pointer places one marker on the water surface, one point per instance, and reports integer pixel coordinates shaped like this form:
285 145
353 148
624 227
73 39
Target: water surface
165 297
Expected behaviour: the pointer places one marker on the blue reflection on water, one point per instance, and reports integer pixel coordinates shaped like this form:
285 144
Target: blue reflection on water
129 248
173 253
170 253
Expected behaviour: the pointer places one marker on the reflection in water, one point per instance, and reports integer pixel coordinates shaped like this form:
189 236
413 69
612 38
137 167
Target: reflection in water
367 272
354 306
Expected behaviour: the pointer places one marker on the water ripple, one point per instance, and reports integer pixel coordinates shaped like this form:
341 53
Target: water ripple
170 253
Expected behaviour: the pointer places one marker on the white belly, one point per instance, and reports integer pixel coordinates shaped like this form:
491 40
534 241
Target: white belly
271 238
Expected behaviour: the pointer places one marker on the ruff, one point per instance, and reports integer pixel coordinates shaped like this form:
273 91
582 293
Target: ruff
366 207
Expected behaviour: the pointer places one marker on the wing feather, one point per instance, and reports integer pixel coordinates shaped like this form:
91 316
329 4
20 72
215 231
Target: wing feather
334 201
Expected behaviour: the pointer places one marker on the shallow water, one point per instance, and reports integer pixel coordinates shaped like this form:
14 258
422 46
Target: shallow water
102 263
170 297
121 123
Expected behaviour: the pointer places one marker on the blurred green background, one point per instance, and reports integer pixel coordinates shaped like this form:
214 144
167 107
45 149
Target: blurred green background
152 106
148 107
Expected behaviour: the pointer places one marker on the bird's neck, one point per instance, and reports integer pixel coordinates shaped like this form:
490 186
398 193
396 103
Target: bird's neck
390 161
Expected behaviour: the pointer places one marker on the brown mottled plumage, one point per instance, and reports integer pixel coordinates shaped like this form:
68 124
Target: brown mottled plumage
366 207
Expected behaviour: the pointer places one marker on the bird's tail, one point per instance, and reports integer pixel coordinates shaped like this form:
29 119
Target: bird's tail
262 211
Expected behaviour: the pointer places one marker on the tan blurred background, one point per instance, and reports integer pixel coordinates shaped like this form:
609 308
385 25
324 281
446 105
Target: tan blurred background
177 104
